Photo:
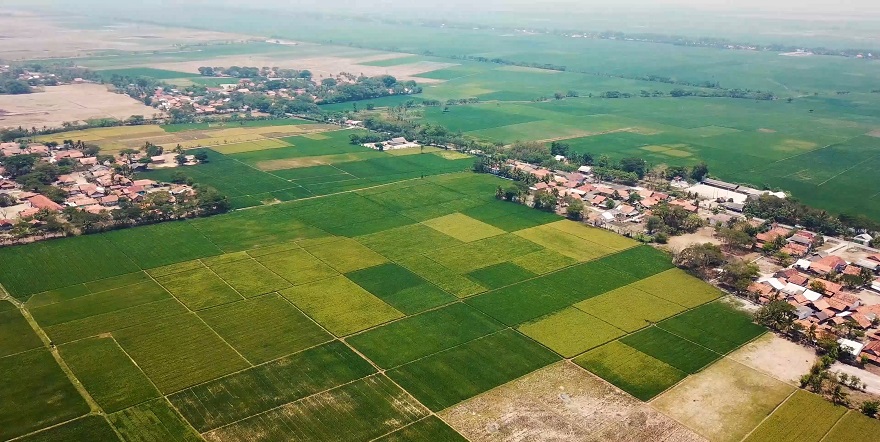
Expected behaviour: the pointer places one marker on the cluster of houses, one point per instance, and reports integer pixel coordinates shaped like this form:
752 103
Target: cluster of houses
93 187
615 202
393 144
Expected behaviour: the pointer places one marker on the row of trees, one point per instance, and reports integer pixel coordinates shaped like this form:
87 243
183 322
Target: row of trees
791 211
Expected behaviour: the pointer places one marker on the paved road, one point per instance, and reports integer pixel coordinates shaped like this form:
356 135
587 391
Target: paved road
867 377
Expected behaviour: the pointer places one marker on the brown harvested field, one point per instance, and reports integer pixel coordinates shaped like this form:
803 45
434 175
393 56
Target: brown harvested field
777 357
562 402
321 66
30 36
75 102
724 402
874 133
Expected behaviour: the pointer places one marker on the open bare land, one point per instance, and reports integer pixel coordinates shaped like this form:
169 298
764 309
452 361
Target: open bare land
75 102
562 402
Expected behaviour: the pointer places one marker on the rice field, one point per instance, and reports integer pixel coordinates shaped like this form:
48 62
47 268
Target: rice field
787 424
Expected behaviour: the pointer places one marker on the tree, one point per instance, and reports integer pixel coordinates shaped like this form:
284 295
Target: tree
575 209
653 224
738 275
545 201
776 314
201 156
870 408
634 165
818 286
838 395
180 159
610 204
700 257
699 171
557 148
735 238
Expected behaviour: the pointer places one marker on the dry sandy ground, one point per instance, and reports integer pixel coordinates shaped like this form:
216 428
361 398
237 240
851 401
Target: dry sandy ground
702 236
67 103
777 357
724 402
321 66
562 402
26 36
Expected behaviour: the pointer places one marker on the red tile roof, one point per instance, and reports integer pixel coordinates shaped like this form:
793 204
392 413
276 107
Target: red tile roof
41 202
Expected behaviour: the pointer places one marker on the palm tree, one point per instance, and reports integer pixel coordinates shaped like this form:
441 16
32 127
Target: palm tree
838 395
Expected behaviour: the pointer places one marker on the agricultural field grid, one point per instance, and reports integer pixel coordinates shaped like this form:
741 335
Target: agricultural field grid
368 304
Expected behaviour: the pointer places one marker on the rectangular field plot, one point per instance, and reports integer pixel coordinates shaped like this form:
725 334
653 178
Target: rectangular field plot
629 308
151 422
543 261
854 427
16 334
360 411
406 241
564 243
60 264
462 227
448 280
602 237
631 370
108 322
716 326
509 216
411 195
107 373
171 269
570 332
178 352
671 349
232 398
421 335
89 428
483 253
340 305
453 375
99 303
346 255
296 266
199 288
36 394
428 429
249 278
163 244
264 328
500 275
787 423
257 227
400 288
640 262
677 286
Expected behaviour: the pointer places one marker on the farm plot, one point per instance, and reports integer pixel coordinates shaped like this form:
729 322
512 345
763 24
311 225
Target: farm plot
107 373
163 244
16 334
345 255
462 227
248 277
400 288
152 421
430 428
565 403
448 280
500 275
570 332
371 407
786 424
340 306
416 194
543 261
853 427
295 265
115 320
36 394
254 228
199 288
89 428
639 262
749 397
264 328
630 370
483 253
229 399
716 326
671 349
98 303
60 263
456 374
564 243
677 286
404 241
602 237
417 336
510 217
629 308
178 352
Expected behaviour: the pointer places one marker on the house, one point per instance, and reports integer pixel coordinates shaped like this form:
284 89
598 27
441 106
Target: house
735 207
795 250
798 279
871 351
873 266
831 288
863 239
770 236
6 225
585 170
627 211
146 184
803 264
158 159
876 285
774 282
828 264
109 200
761 289
598 200
40 202
852 270
852 347
803 312
685 205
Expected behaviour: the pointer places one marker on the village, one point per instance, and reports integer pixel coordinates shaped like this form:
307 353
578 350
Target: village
832 283
100 187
